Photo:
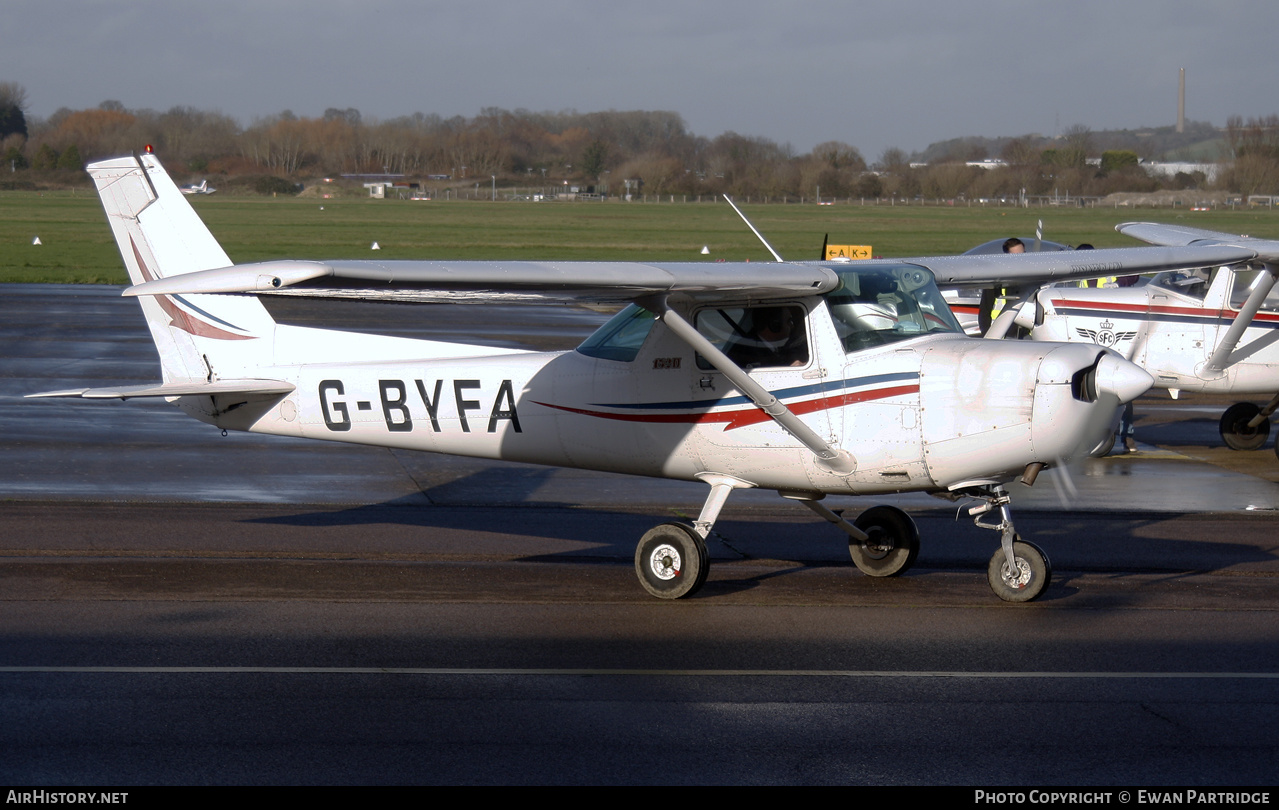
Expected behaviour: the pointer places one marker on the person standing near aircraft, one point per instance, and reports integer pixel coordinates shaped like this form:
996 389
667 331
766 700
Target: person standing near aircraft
990 297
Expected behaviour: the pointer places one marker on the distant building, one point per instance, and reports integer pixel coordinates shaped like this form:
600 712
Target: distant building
1210 170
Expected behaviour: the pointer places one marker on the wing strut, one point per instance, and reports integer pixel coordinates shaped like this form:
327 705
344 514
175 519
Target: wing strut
1221 355
836 460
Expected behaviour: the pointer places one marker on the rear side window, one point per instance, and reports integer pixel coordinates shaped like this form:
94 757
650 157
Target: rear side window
622 337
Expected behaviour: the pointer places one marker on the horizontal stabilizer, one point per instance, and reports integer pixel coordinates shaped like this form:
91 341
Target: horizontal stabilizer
177 389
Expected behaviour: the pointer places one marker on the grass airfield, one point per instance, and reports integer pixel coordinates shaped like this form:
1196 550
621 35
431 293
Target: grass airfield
77 247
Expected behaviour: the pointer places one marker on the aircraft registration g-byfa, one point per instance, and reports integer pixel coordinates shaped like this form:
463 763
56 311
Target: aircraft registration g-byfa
1214 329
806 379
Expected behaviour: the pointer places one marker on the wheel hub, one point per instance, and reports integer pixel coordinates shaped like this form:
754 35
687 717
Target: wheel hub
664 562
1018 579
878 544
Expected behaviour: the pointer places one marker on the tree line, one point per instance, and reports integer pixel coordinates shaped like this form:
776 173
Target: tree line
654 150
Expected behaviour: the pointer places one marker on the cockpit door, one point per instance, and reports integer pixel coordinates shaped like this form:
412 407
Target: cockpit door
775 344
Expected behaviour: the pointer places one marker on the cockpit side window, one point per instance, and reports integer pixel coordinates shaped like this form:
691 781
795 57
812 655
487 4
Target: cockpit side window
876 305
756 337
622 337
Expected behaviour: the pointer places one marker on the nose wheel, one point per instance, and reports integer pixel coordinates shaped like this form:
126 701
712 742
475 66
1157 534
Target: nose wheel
1026 578
1019 571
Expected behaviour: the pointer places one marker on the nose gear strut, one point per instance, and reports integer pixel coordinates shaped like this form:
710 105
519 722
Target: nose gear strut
1019 571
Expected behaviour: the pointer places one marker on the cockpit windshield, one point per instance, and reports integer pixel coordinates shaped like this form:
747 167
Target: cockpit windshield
879 304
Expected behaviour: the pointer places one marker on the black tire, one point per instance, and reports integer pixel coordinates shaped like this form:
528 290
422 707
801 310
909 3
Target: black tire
892 545
1104 447
671 561
1235 431
1033 576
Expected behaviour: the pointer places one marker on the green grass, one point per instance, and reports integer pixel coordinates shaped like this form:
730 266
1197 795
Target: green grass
77 245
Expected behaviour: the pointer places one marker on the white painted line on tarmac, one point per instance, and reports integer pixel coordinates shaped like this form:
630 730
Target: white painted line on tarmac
720 673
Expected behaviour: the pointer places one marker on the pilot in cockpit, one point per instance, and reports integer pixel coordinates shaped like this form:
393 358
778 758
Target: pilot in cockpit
776 337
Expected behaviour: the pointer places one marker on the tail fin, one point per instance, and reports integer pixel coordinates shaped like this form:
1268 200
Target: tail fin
199 337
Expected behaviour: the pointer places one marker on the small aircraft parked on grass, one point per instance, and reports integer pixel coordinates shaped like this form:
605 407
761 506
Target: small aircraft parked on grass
807 379
1213 329
202 188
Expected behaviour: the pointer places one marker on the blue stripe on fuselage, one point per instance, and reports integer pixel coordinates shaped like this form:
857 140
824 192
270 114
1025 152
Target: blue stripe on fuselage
785 393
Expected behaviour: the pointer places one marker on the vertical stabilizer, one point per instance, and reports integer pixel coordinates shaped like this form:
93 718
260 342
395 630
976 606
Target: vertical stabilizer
160 235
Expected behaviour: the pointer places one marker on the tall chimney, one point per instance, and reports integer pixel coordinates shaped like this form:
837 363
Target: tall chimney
1181 102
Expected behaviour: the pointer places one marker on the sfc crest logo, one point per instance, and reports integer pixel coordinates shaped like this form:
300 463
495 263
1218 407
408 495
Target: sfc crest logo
1105 334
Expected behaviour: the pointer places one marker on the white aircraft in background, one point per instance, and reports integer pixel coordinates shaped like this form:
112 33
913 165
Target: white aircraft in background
1212 330
203 188
807 379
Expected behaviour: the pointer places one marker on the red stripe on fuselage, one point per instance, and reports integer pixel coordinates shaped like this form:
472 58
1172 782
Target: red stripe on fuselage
1105 307
745 416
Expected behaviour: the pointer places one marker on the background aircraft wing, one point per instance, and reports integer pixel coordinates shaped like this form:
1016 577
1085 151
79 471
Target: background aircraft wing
1158 234
502 281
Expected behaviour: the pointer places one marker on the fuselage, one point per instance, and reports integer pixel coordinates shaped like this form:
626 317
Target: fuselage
885 377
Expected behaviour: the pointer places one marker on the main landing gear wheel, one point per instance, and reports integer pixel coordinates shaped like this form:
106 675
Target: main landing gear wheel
1235 431
671 561
1028 580
892 544
1103 447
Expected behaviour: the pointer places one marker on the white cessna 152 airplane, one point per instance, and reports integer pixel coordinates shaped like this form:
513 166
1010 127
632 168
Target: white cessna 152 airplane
801 378
1212 330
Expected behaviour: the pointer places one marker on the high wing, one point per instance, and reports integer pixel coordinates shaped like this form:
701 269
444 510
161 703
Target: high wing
620 282
497 281
1183 238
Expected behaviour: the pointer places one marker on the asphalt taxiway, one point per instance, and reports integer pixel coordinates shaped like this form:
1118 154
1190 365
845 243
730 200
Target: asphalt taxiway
183 607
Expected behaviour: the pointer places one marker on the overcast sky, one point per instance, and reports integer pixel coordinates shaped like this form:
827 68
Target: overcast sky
904 74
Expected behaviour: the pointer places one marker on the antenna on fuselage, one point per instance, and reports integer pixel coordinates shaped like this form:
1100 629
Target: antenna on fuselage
776 255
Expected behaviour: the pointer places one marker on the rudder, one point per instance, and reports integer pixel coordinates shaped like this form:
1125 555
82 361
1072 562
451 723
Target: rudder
160 235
